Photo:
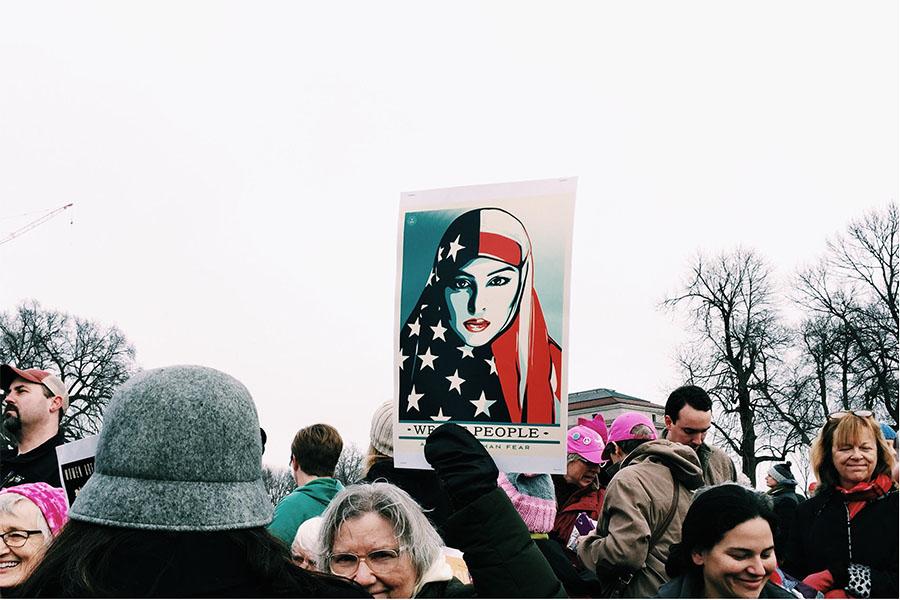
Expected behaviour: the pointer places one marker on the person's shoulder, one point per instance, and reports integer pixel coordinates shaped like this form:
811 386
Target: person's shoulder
320 585
451 588
772 590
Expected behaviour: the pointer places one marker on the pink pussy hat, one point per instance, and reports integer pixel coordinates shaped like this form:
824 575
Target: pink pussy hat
622 427
50 500
598 424
586 443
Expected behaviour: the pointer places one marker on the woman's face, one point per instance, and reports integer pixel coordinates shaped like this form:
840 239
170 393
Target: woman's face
741 563
369 533
581 473
855 461
481 298
17 563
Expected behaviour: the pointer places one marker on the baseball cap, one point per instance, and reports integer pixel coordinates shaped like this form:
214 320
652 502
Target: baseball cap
46 378
624 423
586 443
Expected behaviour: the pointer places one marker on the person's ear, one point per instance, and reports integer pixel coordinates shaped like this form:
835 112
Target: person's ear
698 558
56 403
668 422
294 465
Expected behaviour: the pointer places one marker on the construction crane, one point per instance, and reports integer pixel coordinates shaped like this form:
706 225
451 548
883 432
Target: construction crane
43 219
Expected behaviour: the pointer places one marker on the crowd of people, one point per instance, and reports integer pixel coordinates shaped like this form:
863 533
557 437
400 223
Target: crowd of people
177 507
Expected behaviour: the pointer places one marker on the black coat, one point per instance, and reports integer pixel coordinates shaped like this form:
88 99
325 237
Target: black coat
819 541
785 502
691 586
502 558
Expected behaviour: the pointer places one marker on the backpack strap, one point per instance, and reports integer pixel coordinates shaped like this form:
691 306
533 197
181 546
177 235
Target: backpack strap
664 524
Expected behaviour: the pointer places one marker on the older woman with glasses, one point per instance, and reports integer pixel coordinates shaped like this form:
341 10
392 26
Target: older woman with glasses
376 534
578 490
844 540
30 516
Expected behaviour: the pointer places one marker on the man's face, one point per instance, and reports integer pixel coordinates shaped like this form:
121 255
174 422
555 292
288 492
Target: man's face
25 405
690 427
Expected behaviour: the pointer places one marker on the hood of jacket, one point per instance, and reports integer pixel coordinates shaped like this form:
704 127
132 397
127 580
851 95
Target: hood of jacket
681 460
322 489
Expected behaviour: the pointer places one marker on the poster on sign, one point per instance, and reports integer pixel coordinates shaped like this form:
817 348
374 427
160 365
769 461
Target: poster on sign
482 320
76 465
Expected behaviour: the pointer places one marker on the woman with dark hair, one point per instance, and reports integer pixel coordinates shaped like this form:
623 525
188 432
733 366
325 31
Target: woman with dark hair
844 539
477 335
727 548
176 506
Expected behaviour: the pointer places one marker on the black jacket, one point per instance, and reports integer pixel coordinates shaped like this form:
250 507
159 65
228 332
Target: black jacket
819 541
501 556
691 586
39 464
784 502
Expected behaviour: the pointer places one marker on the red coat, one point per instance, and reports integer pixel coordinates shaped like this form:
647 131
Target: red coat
588 500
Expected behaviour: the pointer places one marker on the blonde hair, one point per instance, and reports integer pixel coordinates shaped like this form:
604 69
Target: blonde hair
373 456
847 429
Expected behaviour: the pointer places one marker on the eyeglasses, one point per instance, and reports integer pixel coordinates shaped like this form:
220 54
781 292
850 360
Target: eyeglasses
18 537
346 564
588 463
843 413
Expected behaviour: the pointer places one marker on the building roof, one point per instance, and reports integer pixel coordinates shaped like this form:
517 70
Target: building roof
599 394
605 397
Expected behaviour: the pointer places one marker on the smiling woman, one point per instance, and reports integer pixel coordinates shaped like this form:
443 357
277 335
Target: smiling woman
30 515
726 549
845 537
475 346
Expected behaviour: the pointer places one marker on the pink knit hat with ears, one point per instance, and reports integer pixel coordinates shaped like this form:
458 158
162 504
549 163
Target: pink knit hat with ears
598 424
533 497
50 500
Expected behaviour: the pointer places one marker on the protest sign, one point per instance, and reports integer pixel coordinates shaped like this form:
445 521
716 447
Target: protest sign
76 465
482 320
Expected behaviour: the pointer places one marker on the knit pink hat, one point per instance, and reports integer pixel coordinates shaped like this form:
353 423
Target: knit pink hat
533 498
598 424
50 500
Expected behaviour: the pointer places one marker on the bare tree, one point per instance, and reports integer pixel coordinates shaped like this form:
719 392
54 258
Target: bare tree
279 482
349 469
856 287
736 349
93 359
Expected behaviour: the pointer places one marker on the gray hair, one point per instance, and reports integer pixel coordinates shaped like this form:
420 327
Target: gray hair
9 504
571 456
411 527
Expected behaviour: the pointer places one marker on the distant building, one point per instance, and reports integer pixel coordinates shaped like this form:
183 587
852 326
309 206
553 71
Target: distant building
611 404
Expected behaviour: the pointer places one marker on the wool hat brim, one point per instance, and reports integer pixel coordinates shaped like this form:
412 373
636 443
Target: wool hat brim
164 505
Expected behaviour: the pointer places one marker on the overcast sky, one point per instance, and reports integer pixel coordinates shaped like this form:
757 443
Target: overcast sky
237 167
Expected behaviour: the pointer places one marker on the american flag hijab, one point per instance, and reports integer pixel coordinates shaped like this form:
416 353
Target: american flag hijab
475 347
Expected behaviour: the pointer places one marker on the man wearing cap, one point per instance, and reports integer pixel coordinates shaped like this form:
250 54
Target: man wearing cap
34 402
688 418
643 508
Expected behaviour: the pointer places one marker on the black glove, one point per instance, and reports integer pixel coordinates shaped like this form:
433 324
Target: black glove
465 469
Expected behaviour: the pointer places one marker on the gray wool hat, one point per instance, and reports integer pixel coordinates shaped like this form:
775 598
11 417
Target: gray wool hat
381 433
179 451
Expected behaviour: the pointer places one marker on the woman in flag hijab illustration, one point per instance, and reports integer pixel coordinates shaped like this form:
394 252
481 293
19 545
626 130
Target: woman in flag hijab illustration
475 347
